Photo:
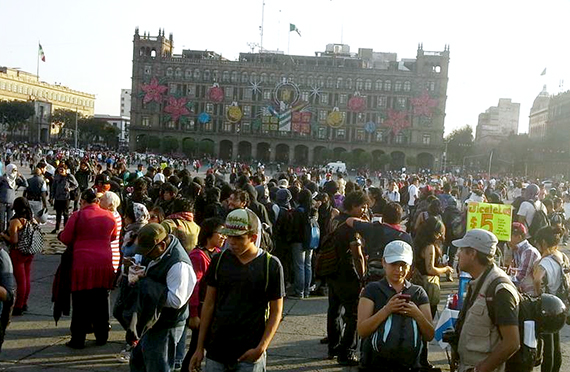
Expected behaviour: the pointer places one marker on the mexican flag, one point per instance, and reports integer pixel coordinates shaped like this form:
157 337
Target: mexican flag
41 52
292 27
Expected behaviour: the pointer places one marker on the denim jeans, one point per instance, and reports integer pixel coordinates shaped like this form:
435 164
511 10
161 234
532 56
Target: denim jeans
258 366
302 273
156 350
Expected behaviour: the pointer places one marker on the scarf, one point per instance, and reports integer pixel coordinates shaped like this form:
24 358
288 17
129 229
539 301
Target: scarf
11 175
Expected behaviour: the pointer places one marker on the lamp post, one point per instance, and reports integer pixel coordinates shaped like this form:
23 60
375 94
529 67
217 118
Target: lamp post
76 117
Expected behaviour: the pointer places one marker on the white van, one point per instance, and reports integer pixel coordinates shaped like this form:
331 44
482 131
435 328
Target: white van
335 167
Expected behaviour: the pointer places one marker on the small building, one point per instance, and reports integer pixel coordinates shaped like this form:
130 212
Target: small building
498 122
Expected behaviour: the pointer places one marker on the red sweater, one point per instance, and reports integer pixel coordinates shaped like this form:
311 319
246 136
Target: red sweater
200 262
92 266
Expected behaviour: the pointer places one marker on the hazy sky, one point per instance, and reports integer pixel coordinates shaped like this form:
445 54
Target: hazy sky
498 48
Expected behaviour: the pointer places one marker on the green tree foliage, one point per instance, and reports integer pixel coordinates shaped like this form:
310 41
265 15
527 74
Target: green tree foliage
325 155
153 142
364 158
170 144
460 144
15 114
347 157
92 130
411 161
384 160
206 147
189 146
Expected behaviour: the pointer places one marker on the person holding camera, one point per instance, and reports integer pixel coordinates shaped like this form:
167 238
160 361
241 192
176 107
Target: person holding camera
485 341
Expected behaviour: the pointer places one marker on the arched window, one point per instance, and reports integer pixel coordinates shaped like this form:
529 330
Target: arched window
197 74
321 81
359 84
301 80
226 77
253 76
234 76
153 53
330 83
169 71
378 85
339 83
264 78
207 75
215 75
310 81
398 86
178 73
368 84
188 74
142 52
244 77
272 78
349 83
387 85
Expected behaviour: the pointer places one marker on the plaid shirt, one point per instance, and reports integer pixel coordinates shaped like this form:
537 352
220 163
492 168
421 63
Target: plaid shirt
525 258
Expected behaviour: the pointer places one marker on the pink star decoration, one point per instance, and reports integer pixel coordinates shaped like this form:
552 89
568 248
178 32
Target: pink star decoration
424 104
397 120
153 91
176 107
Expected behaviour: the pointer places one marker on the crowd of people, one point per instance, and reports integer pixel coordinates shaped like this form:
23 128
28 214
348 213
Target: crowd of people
216 257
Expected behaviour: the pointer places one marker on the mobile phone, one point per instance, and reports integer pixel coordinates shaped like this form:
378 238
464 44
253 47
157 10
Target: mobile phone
406 297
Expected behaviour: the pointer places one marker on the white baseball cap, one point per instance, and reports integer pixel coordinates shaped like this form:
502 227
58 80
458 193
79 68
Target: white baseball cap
479 239
398 250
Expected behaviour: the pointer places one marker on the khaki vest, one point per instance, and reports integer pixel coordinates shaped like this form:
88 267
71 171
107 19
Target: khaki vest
479 336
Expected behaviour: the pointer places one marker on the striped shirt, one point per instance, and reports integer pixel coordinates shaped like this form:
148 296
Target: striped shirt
116 244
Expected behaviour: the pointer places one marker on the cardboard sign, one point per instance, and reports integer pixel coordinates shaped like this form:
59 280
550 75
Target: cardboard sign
496 218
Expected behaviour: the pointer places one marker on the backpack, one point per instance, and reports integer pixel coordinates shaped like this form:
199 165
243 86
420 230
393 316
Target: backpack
539 221
454 223
30 239
328 257
312 231
529 310
374 268
563 291
396 342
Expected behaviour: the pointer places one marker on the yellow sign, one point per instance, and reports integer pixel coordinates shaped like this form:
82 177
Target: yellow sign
496 218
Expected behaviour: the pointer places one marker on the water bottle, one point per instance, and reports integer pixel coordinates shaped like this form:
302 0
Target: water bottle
464 279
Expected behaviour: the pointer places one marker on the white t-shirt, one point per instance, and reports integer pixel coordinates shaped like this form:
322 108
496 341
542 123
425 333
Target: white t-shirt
413 191
552 269
527 209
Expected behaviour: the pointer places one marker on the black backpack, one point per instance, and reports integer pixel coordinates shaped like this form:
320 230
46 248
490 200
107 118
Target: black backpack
539 220
396 342
529 310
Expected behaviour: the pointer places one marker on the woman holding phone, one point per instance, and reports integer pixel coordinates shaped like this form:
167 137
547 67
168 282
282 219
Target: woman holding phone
389 301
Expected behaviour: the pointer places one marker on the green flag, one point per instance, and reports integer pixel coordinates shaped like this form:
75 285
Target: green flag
292 27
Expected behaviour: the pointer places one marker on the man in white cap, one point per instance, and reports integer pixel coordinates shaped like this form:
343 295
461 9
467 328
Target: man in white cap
487 337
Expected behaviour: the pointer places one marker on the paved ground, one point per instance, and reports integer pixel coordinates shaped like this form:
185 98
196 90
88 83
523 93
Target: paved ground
35 343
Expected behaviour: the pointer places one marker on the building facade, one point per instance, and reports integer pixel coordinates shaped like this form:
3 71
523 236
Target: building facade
498 122
289 109
16 85
126 103
122 123
538 117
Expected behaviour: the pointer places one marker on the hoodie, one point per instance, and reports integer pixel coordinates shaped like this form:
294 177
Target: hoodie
182 226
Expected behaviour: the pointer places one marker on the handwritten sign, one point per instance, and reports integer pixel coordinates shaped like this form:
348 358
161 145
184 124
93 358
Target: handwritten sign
496 218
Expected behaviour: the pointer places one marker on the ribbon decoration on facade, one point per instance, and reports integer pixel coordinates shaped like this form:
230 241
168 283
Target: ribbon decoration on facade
153 91
424 105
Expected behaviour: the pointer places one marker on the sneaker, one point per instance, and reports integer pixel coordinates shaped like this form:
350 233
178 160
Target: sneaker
347 360
17 311
125 354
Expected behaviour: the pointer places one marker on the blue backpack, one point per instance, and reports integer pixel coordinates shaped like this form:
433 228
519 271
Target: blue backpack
312 231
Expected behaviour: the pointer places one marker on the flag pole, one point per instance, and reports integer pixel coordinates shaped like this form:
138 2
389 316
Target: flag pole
38 63
289 41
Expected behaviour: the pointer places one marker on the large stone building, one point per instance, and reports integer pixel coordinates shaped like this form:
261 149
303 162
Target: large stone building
538 117
16 85
126 103
288 108
498 122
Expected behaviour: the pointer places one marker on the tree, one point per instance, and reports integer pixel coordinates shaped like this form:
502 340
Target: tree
170 144
459 144
411 161
153 142
189 146
324 155
384 160
347 158
15 113
206 147
364 158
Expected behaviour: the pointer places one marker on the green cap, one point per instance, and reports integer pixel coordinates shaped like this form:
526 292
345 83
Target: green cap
148 236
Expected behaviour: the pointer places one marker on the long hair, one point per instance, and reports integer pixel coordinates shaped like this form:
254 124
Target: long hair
22 208
426 234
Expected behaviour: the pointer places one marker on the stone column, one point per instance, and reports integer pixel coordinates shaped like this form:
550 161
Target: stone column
234 150
311 155
254 151
291 154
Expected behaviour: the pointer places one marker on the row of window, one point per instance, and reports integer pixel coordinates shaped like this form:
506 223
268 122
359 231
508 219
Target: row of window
323 133
310 81
46 94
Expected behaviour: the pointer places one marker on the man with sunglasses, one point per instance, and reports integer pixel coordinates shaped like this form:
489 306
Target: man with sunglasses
164 289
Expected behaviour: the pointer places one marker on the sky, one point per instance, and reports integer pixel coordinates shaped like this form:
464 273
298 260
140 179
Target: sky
498 49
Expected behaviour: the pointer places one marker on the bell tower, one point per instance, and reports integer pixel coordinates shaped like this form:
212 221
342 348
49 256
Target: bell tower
145 46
